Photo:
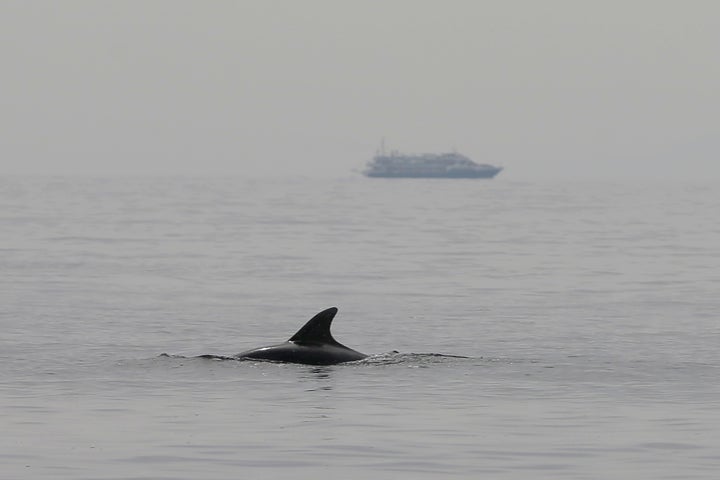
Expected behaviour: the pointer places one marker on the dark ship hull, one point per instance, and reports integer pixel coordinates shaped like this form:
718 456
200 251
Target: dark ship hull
488 173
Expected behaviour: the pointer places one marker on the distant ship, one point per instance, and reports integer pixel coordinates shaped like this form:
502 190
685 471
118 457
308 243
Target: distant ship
427 165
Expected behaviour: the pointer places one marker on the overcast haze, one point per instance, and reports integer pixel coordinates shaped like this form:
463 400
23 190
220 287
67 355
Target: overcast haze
551 89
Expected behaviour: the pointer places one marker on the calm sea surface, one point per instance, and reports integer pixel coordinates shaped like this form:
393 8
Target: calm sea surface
589 315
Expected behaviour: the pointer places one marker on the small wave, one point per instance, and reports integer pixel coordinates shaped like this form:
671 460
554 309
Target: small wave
419 359
216 357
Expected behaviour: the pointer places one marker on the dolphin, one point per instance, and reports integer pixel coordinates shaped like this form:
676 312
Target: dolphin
312 345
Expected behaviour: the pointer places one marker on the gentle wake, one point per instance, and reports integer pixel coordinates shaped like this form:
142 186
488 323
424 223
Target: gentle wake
389 358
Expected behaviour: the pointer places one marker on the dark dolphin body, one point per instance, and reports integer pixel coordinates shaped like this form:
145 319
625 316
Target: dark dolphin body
312 344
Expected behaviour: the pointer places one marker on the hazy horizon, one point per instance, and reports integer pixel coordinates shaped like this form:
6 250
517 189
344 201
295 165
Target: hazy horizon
555 89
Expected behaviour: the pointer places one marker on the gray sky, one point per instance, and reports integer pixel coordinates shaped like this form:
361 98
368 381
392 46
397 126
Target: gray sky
549 89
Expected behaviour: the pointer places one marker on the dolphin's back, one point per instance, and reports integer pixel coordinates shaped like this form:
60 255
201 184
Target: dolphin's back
313 344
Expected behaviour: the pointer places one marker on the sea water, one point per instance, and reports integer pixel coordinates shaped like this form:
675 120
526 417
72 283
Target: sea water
516 330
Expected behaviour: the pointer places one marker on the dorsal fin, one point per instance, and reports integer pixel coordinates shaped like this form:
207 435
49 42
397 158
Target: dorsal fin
317 329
